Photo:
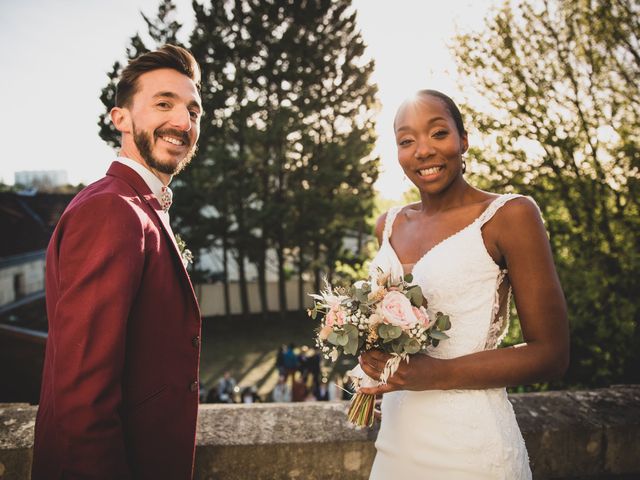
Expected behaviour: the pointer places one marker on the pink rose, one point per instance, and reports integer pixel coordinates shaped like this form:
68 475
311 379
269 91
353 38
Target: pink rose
422 316
397 310
335 316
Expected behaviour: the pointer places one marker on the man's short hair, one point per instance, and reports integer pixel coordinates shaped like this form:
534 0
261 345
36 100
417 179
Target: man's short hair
167 56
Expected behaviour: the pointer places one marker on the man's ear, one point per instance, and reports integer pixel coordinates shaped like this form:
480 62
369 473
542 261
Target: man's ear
121 119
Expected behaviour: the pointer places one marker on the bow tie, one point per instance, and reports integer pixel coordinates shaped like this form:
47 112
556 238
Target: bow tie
166 197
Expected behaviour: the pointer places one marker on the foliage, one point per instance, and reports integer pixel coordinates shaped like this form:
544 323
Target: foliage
561 79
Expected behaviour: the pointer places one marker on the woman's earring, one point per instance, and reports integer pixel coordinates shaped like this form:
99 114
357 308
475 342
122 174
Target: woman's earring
464 165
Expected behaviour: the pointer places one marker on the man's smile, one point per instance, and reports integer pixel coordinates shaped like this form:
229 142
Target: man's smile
174 137
173 140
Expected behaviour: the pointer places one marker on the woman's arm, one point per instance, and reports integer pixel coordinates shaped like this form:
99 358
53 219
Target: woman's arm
518 236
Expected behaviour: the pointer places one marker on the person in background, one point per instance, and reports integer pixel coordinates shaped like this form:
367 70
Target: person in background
290 361
249 395
226 388
321 392
282 391
298 388
280 359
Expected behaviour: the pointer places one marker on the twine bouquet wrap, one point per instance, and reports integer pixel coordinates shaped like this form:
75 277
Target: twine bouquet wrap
379 313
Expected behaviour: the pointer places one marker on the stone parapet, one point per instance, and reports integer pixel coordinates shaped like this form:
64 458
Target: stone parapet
569 435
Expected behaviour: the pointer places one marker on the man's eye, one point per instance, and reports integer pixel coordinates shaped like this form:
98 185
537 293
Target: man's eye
195 115
164 105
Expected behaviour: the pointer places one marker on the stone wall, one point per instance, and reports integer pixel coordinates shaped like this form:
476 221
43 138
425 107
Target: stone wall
583 434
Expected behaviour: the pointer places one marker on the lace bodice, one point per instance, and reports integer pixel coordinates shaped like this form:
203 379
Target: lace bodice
458 277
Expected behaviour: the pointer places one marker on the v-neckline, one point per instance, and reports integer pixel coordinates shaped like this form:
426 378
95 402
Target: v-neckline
436 245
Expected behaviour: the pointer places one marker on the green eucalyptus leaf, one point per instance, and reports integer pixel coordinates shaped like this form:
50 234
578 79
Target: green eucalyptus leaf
408 278
414 294
442 321
348 327
438 335
412 346
351 331
333 338
342 339
351 348
383 331
361 295
394 331
395 348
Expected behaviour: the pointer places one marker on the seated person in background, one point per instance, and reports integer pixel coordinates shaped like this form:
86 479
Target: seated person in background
250 395
282 391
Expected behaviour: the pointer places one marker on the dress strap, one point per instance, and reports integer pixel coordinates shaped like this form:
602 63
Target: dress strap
499 202
388 223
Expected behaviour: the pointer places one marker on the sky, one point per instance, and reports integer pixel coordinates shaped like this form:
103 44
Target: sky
56 55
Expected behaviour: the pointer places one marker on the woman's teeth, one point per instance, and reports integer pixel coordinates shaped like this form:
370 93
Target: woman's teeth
429 171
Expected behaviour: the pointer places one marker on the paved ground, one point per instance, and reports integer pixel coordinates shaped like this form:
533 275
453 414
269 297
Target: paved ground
248 348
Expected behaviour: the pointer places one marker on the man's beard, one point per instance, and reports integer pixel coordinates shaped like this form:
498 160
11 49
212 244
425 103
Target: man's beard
143 141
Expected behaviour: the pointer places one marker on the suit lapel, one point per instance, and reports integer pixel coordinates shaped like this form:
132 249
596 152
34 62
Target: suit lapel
136 182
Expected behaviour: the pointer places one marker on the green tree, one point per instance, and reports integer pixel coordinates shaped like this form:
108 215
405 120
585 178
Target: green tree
297 106
561 80
284 153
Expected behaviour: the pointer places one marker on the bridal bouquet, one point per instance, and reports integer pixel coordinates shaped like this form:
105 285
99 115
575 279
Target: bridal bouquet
382 313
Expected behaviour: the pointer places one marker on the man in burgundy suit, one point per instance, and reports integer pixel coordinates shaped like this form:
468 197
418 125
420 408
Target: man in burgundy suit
120 386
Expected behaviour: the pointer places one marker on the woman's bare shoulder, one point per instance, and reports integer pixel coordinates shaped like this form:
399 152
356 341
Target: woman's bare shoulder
520 210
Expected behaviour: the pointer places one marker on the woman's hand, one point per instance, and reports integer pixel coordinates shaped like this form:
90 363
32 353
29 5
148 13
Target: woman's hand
421 373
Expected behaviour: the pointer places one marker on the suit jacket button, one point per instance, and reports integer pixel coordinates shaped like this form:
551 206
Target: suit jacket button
194 386
195 341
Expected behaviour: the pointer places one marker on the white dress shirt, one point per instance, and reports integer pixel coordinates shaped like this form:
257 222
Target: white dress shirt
154 184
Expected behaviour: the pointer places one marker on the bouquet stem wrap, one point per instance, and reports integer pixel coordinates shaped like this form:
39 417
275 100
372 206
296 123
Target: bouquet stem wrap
361 409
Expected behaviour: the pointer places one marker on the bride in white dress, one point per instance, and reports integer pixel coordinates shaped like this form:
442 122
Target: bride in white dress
445 415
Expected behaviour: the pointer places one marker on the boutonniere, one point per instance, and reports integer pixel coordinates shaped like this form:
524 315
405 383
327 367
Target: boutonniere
185 253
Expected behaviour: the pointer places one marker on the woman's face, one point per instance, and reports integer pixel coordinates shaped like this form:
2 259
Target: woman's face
429 145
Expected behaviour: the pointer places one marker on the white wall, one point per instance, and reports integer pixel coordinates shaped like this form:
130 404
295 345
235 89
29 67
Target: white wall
211 297
33 278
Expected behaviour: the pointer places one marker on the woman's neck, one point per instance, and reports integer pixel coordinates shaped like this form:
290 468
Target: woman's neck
455 195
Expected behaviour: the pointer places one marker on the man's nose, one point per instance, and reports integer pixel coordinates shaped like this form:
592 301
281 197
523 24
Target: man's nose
181 119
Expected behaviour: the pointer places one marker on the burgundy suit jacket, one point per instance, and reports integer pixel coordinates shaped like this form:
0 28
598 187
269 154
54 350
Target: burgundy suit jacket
119 392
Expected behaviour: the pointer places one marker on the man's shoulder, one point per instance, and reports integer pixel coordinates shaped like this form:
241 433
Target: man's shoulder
109 191
107 196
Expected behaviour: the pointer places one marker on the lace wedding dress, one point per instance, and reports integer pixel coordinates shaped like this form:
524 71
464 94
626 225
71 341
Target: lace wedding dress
453 434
